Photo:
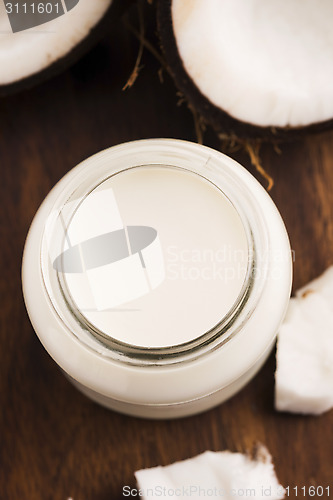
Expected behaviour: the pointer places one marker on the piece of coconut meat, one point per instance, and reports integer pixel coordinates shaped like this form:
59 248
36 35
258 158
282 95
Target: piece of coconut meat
304 374
28 52
223 474
265 62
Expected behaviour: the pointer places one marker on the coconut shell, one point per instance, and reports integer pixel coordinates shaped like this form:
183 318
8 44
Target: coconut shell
100 30
221 121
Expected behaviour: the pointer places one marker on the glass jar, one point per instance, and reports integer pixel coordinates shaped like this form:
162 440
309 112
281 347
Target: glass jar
156 274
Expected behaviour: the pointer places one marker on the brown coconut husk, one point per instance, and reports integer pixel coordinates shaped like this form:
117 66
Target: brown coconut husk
229 140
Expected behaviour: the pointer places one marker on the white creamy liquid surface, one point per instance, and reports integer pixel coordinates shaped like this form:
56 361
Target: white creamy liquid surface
183 282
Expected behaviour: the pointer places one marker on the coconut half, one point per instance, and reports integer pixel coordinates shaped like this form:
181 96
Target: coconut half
36 45
253 67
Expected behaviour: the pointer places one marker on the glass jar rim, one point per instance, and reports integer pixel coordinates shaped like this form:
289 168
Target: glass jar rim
213 167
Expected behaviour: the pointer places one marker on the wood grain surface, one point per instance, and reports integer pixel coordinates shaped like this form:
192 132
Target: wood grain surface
55 443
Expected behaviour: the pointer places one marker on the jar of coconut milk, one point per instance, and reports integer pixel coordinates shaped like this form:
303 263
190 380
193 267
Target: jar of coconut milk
156 274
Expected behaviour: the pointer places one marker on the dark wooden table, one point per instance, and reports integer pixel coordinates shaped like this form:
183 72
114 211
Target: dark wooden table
55 443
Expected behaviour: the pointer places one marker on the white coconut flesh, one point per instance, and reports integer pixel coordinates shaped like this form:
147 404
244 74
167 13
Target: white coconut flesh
265 62
304 374
230 475
28 52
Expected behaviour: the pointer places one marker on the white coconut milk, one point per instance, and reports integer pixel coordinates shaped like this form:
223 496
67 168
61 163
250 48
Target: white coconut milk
157 264
197 262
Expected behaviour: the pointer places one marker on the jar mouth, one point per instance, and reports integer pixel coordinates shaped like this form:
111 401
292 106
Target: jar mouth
63 287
